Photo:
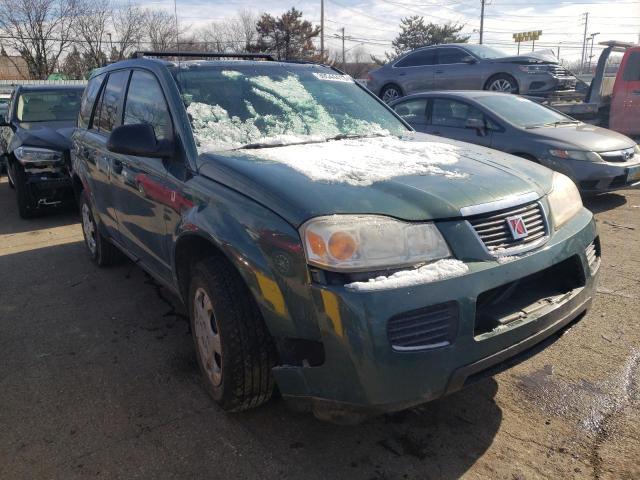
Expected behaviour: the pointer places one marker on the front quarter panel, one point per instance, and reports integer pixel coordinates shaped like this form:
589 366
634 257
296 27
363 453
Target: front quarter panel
264 248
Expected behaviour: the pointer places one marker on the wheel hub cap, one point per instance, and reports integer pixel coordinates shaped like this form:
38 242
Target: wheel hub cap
390 94
207 336
501 86
88 228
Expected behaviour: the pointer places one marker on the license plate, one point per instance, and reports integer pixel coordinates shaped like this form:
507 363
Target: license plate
634 174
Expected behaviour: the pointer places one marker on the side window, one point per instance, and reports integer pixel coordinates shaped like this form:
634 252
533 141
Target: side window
419 58
632 68
452 113
413 111
109 114
450 55
146 104
88 100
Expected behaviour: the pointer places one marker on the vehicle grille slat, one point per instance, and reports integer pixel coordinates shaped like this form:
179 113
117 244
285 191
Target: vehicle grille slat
493 229
428 327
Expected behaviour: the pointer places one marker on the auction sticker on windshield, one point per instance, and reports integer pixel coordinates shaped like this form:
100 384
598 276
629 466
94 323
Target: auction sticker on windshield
333 77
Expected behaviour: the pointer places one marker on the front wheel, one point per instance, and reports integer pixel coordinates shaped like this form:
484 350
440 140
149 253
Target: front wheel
234 349
502 83
390 93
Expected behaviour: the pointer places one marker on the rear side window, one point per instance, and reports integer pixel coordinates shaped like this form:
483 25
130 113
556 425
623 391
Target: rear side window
89 99
632 68
146 104
413 110
109 114
423 57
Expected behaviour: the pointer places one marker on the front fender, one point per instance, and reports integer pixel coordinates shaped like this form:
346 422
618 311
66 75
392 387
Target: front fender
264 248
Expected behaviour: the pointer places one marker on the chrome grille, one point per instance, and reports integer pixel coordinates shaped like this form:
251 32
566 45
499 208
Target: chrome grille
429 327
618 155
559 71
493 229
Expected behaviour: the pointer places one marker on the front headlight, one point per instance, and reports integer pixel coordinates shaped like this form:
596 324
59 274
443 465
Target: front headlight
576 155
37 155
637 149
564 200
370 242
534 68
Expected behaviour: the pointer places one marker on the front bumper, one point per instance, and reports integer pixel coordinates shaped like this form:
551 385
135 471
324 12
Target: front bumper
545 83
363 374
593 178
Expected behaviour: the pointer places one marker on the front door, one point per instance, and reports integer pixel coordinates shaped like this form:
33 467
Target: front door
414 112
143 193
625 103
458 120
415 71
454 72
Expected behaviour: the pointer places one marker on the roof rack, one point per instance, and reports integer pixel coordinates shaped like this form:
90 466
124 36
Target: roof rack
244 56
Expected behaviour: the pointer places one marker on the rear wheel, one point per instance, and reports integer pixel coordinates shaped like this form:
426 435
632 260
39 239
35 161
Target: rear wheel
234 348
102 252
390 93
502 83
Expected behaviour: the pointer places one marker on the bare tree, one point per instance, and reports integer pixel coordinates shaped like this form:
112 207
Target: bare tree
161 30
39 30
91 26
233 35
129 28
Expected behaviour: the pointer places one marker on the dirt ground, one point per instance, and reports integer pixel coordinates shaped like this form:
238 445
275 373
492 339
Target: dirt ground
98 379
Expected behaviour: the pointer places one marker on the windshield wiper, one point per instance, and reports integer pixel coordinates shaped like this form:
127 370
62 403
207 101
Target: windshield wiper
552 124
342 136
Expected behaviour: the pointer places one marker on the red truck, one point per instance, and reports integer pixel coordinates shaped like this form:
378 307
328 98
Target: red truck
613 98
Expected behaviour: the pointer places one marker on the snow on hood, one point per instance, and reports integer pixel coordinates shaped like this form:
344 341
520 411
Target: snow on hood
433 272
364 161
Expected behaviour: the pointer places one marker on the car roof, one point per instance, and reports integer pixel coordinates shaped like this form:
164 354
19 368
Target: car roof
462 94
49 87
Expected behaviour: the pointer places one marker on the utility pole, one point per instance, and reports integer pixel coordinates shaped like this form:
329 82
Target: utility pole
481 20
322 30
344 61
584 41
592 37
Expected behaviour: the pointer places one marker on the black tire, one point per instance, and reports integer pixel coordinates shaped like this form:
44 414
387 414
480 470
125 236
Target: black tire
26 206
237 376
101 251
502 82
390 92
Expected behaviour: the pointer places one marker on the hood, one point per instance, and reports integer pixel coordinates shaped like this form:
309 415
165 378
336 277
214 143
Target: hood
544 56
416 178
583 136
55 135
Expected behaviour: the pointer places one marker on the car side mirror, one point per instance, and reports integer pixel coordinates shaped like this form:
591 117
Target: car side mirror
478 125
469 59
139 140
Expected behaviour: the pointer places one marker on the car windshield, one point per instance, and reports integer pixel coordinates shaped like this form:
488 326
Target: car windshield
483 51
48 106
522 112
239 105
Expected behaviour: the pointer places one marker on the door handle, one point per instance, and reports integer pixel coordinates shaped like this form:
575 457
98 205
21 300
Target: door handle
402 74
439 71
437 132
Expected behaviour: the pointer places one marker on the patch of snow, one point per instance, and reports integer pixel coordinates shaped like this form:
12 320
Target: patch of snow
361 162
433 272
507 259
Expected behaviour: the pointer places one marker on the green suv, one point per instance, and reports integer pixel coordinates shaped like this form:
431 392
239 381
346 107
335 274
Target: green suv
317 241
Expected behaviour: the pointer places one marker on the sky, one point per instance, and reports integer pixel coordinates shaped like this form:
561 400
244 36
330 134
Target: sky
372 24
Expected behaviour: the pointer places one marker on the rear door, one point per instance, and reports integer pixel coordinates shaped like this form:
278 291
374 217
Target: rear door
625 102
415 72
453 73
414 112
140 185
450 118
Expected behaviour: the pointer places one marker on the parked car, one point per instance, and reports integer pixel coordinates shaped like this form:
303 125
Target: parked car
5 96
319 243
469 67
596 159
35 141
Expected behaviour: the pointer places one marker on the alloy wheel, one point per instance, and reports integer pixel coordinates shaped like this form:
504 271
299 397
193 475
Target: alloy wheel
501 85
89 229
390 94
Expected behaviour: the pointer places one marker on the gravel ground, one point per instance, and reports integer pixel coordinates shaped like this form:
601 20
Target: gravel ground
98 379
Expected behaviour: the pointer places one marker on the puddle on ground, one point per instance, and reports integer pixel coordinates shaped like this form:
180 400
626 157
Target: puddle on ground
592 404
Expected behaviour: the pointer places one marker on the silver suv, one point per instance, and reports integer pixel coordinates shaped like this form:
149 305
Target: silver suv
469 67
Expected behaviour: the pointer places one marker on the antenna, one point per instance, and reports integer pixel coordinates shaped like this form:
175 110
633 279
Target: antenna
175 12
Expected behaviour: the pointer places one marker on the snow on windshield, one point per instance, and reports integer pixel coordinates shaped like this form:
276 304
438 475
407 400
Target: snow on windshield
361 162
296 116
